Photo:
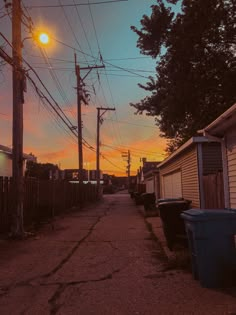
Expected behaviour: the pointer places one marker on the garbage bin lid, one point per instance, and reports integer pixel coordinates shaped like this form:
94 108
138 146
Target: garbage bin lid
208 214
173 202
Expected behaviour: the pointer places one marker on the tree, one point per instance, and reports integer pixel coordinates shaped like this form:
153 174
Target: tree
196 65
40 170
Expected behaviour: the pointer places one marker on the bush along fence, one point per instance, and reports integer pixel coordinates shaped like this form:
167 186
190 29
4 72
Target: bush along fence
43 199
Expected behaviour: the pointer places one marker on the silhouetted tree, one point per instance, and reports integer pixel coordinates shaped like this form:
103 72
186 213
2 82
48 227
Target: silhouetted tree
40 170
196 64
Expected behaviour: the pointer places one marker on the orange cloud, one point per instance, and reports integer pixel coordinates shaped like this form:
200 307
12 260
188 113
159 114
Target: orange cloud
54 156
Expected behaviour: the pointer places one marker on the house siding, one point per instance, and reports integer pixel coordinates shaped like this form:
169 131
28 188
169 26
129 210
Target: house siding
157 185
150 185
231 160
5 165
172 185
211 158
187 163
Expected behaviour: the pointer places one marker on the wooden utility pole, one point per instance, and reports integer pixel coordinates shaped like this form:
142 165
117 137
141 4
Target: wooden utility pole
99 121
127 155
17 227
128 169
79 120
81 97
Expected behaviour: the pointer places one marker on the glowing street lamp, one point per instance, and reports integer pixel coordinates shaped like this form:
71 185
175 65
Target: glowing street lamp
43 38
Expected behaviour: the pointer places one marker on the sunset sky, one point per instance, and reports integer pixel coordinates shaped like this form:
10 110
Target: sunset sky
89 31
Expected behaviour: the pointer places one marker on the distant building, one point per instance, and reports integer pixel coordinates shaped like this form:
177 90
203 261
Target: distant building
73 174
148 175
6 160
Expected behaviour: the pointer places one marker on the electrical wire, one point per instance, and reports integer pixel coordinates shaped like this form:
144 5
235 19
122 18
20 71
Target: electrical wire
82 25
73 5
108 83
105 158
71 28
134 149
105 62
46 59
56 106
128 123
54 117
55 78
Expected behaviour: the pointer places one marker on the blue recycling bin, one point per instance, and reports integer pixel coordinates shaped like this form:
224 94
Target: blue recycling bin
211 236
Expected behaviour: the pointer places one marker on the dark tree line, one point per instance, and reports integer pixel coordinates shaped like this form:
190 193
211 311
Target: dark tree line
196 65
40 170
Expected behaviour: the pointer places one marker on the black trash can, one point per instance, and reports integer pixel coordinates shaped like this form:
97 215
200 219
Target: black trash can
173 224
138 198
149 200
168 199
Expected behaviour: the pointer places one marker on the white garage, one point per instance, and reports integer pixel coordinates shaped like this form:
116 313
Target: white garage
184 172
172 185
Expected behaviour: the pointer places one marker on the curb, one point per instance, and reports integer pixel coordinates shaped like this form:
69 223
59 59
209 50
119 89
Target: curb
156 226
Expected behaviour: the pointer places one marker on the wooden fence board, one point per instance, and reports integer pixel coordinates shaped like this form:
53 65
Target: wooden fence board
214 191
43 199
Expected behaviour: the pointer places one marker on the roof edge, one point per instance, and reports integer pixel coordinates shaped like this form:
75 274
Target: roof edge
219 119
186 145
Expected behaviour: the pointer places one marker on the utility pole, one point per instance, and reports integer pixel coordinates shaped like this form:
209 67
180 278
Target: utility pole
79 121
99 121
81 97
127 155
128 169
17 228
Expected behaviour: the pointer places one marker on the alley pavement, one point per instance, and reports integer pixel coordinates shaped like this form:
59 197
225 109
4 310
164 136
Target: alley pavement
103 259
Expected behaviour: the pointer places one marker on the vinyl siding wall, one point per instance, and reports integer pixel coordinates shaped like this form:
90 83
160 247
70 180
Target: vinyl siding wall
187 163
150 185
5 165
157 185
231 159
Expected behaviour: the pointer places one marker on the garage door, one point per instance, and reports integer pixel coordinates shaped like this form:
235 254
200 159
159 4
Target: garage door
172 186
150 186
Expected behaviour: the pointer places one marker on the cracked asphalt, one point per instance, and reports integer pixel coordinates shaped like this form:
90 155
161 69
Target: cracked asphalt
100 260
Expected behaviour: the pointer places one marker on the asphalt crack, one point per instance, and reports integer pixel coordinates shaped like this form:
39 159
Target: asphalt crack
53 301
66 259
4 290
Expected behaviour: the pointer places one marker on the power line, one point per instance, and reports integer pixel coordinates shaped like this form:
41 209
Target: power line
128 123
126 70
42 96
111 70
95 31
71 28
105 62
74 5
82 25
51 114
46 59
127 58
108 83
61 114
55 78
85 143
133 149
113 59
105 158
70 127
